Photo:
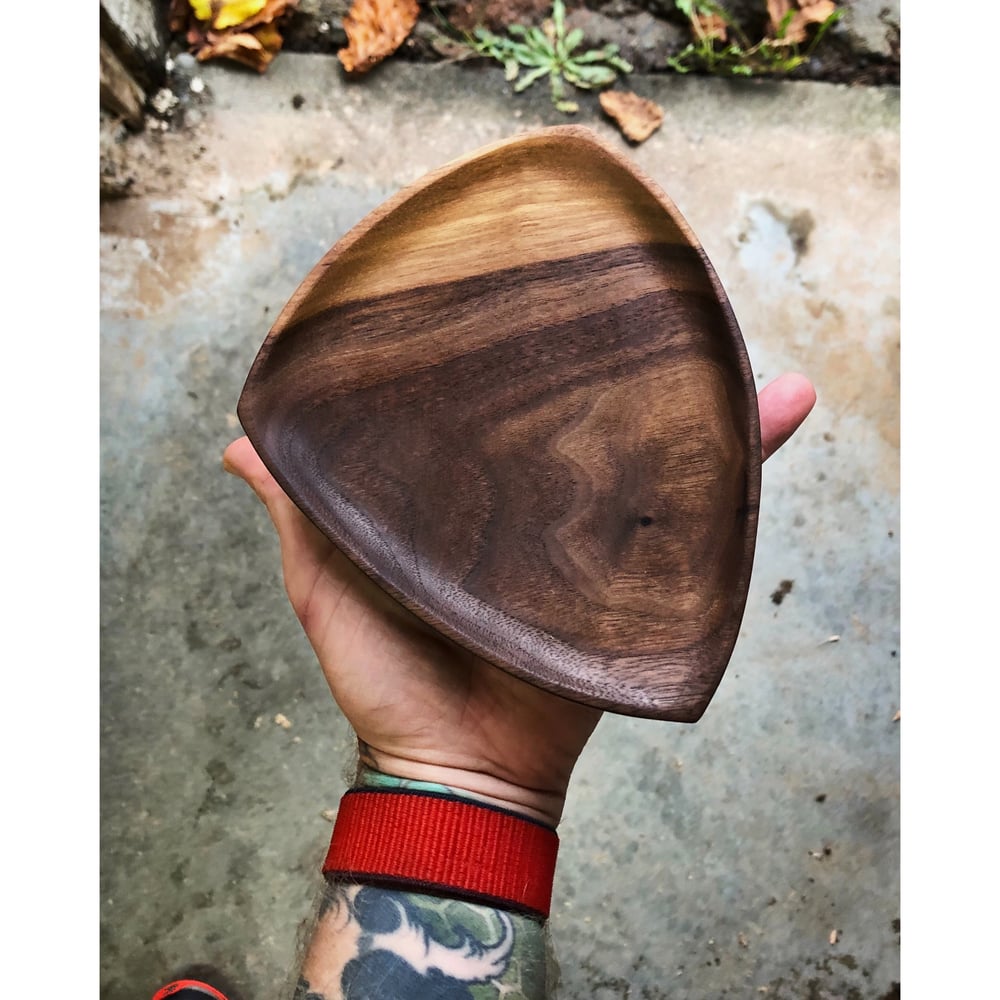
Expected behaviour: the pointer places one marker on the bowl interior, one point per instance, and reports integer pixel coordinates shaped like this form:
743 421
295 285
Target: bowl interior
517 397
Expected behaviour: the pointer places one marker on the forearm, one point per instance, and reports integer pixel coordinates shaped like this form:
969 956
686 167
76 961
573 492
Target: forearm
381 942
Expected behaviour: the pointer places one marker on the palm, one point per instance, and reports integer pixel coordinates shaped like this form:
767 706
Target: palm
400 683
415 696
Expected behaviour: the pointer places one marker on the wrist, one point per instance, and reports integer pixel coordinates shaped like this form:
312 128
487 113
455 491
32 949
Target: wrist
438 843
377 769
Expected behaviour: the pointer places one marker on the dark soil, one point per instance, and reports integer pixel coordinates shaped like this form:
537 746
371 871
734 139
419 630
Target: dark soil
648 33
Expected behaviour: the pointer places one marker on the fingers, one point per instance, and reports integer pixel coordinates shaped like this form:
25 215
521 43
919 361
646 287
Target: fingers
784 404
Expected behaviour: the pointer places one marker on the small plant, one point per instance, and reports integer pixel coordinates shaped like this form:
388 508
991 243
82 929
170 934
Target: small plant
550 51
722 47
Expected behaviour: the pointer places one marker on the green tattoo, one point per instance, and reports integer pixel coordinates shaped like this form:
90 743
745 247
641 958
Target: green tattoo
385 944
368 777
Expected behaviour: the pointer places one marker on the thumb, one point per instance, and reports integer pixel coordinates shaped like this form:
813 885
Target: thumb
241 460
317 574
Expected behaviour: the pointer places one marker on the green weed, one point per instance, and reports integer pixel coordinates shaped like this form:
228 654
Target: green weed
530 53
736 56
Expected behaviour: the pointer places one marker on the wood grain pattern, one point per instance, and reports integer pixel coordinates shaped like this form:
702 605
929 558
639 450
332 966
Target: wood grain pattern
517 397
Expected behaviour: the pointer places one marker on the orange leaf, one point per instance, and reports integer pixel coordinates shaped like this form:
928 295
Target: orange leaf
710 26
776 12
809 12
375 29
817 11
634 115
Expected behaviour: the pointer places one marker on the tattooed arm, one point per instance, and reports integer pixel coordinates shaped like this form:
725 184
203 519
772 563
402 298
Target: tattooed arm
426 710
387 944
384 944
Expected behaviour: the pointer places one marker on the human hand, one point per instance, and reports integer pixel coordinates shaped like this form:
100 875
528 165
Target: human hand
422 706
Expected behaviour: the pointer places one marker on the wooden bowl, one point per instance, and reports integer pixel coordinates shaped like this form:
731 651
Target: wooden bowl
517 397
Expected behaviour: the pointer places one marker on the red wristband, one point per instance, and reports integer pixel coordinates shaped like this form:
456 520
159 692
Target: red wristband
193 987
426 842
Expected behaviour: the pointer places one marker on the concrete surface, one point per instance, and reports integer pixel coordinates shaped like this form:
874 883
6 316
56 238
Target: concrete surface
711 860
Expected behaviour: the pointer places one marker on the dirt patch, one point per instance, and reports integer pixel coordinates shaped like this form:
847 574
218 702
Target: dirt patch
497 14
648 32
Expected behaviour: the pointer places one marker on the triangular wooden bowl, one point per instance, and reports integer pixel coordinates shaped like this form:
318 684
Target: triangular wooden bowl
517 397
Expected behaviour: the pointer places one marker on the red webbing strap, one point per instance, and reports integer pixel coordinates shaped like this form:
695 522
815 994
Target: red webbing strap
195 985
433 843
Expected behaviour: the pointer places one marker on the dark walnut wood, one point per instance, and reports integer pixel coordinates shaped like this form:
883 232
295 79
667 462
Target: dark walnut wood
517 397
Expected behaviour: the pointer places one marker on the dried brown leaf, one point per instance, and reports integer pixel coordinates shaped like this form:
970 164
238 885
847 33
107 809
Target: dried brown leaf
818 11
777 10
253 49
710 26
637 117
806 12
375 29
253 42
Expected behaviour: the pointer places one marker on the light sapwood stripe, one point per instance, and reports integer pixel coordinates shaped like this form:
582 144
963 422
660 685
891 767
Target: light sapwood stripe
525 204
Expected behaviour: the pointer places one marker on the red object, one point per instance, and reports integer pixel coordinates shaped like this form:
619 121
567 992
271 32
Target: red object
433 843
195 985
